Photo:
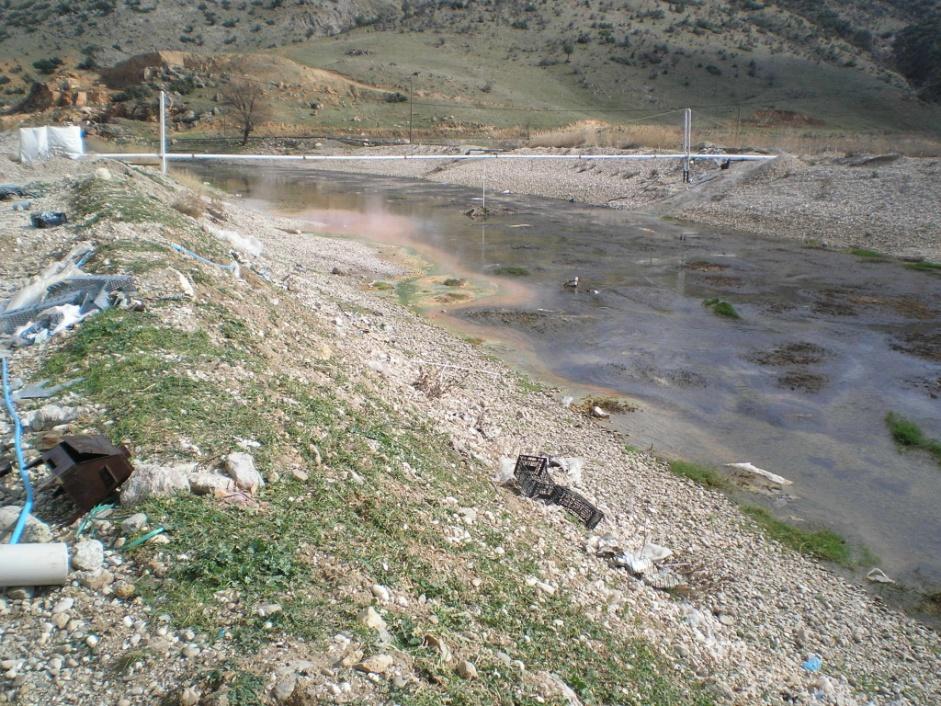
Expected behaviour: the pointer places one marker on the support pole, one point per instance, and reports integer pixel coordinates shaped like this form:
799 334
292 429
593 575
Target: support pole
411 106
163 132
483 191
687 142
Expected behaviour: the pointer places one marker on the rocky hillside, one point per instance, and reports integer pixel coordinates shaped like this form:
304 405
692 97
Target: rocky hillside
487 63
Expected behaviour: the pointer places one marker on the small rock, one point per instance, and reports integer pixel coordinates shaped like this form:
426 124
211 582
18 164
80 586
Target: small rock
63 605
440 645
96 580
371 619
60 620
88 555
241 468
299 474
381 593
124 589
377 664
190 696
103 174
211 484
596 411
284 688
466 670
134 523
92 641
267 609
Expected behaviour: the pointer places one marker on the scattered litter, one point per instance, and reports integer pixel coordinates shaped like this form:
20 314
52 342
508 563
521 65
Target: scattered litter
244 243
643 563
88 468
572 467
878 576
813 663
596 411
532 475
10 191
22 205
143 539
752 475
232 267
48 219
505 473
41 390
60 297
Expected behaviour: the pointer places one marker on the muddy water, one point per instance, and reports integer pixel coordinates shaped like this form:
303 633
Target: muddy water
826 345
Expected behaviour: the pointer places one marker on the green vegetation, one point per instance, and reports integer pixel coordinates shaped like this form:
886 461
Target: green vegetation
867 254
924 266
918 54
701 474
720 307
47 66
908 434
138 369
511 271
820 544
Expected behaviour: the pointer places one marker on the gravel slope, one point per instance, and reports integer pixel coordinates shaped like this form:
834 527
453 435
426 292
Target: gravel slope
758 609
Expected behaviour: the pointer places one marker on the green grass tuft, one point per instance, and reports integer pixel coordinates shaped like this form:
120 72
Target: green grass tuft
720 307
701 474
908 434
820 544
867 254
924 266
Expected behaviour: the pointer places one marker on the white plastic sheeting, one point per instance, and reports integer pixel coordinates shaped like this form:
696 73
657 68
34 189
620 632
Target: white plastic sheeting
40 143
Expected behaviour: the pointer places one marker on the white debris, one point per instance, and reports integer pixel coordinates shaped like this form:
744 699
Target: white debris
750 473
878 576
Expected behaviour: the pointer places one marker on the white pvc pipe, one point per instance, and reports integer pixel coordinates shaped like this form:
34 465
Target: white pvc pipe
449 157
34 564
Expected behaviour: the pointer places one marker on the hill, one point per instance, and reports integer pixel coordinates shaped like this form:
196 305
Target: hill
518 64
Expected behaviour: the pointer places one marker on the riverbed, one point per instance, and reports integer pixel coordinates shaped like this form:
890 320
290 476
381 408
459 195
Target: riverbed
826 343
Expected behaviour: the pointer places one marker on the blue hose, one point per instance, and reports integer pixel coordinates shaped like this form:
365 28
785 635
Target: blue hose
21 462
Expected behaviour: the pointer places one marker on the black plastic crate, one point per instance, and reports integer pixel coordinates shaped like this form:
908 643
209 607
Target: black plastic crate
532 475
577 505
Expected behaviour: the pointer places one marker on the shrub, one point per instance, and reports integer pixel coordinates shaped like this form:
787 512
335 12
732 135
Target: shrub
47 66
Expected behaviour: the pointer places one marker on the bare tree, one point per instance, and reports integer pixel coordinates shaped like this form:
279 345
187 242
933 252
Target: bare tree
246 98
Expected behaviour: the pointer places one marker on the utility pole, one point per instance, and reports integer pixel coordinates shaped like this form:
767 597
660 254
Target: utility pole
163 132
411 106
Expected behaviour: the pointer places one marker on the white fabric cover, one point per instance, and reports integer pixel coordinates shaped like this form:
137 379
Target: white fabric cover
34 144
40 143
65 141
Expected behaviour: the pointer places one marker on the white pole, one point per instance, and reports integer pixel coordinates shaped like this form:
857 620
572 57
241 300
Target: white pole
483 191
687 140
163 132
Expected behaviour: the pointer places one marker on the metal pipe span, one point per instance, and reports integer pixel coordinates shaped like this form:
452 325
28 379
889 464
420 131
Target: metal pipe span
452 157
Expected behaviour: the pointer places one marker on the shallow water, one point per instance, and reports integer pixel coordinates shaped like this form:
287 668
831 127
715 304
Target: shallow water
826 345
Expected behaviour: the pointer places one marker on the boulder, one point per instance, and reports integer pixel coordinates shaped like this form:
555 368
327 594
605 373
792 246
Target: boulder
34 532
150 480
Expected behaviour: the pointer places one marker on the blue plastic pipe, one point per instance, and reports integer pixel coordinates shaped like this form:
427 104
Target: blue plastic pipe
18 444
